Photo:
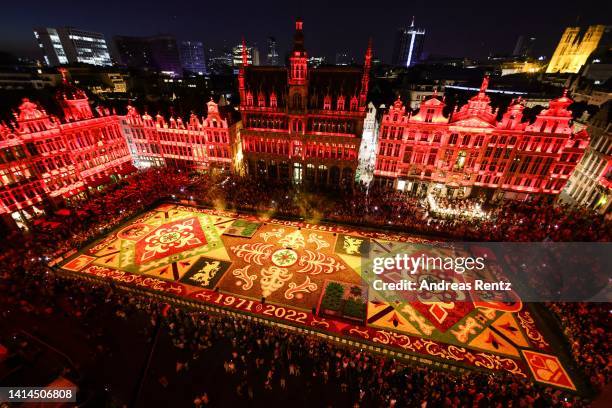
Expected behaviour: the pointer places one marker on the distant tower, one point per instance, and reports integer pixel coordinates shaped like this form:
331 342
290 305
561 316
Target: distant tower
242 72
365 77
272 56
574 49
298 72
408 46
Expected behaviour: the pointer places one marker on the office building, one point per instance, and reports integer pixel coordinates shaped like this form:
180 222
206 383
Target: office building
193 58
69 45
251 52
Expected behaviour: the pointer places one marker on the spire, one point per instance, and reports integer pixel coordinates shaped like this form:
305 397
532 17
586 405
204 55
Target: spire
368 56
365 79
485 84
64 72
298 61
241 71
412 24
245 56
298 37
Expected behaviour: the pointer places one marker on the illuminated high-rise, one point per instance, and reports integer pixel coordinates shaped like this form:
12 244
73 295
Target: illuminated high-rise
272 57
193 57
408 46
252 55
68 45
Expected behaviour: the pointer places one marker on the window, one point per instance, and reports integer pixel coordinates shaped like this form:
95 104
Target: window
340 103
460 160
431 159
525 164
407 155
297 126
327 103
514 164
297 101
429 115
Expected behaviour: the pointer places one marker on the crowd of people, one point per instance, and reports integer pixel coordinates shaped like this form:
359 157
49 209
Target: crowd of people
265 360
587 328
102 210
264 364
516 221
462 208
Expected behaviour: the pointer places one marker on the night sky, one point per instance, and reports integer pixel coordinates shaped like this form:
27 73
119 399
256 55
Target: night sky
454 27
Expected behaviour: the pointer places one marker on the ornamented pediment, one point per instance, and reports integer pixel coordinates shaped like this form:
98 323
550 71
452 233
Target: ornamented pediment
29 110
473 122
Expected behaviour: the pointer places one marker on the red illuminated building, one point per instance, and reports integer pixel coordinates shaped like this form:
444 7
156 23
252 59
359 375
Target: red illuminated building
208 143
301 123
471 150
45 159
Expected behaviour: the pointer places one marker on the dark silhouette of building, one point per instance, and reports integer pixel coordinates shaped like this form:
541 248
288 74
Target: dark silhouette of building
272 56
524 46
343 58
156 53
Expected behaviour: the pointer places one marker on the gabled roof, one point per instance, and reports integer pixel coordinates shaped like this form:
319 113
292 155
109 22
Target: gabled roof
322 81
477 112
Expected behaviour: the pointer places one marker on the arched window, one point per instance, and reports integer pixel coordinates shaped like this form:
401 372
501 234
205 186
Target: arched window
340 103
327 102
297 126
297 101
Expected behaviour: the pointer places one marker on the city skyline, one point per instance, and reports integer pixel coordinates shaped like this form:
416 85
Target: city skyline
343 27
